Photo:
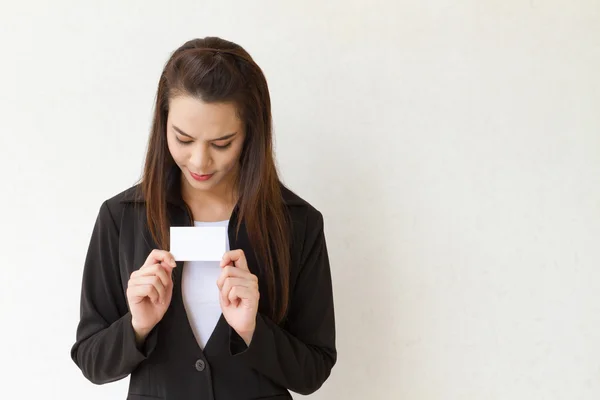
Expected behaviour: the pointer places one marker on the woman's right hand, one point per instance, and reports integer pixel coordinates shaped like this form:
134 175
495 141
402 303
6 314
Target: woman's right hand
149 292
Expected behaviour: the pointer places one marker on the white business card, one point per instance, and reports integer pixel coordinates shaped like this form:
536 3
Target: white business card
198 243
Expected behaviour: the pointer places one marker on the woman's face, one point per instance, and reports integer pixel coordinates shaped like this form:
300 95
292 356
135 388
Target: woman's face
205 140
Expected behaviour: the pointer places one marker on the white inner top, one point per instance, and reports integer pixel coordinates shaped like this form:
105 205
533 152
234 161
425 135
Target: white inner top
200 292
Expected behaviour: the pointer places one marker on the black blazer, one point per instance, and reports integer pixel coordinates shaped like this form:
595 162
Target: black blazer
297 354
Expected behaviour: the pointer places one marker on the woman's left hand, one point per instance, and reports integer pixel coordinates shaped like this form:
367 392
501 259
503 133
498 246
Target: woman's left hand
239 294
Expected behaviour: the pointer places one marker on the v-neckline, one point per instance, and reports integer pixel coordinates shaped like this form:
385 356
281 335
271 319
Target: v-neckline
178 278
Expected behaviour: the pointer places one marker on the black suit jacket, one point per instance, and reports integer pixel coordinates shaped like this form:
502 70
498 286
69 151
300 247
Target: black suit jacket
297 354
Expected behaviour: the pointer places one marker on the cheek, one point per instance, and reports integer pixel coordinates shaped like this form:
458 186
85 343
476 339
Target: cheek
229 160
175 150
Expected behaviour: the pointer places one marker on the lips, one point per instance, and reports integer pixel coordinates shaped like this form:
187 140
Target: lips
200 177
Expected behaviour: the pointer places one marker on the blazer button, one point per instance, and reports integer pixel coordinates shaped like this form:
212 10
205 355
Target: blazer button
200 365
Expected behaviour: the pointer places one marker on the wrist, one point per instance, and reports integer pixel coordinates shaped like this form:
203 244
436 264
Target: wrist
247 335
141 333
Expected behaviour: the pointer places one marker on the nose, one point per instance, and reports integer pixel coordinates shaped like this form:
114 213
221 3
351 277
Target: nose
200 160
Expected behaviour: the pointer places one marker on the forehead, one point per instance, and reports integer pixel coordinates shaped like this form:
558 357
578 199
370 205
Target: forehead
200 119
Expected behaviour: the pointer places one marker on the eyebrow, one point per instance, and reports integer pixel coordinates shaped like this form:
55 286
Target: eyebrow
212 140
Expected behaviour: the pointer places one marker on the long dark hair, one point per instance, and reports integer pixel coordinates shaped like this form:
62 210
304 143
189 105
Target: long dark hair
219 71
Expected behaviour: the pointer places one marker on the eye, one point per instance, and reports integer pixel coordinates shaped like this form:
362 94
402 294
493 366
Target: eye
221 147
183 142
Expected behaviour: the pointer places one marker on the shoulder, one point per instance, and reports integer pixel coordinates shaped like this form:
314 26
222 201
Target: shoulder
306 224
300 209
114 205
130 195
308 233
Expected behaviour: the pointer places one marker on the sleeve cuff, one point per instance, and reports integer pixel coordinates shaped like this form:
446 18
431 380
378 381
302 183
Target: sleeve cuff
130 345
260 340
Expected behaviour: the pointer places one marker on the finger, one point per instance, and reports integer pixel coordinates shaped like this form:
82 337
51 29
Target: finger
159 256
231 282
224 299
237 257
241 292
154 281
155 269
224 290
165 275
139 292
231 271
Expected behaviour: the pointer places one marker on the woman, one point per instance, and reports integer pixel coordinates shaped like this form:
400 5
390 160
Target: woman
255 325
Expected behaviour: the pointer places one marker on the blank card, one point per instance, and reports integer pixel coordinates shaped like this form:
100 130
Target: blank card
194 243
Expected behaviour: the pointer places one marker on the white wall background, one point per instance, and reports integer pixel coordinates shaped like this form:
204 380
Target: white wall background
453 147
